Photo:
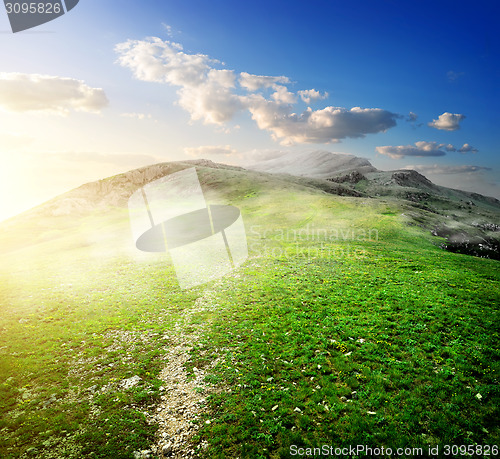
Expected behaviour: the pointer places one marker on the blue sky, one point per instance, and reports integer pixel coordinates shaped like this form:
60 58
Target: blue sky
115 85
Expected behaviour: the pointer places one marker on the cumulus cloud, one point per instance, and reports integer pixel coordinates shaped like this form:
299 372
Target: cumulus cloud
328 125
442 169
210 150
282 95
423 148
466 148
255 82
163 62
311 95
205 92
21 92
212 101
211 95
447 121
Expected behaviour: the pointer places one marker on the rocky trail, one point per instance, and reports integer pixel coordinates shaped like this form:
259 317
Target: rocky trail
184 397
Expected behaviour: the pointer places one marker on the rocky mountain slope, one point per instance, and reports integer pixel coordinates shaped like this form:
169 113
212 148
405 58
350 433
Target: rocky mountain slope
470 222
317 164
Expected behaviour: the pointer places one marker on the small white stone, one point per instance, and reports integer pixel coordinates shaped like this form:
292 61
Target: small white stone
274 408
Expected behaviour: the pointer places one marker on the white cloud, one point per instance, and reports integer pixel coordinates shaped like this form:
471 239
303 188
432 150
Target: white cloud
205 92
207 151
421 148
21 92
466 148
253 83
168 29
282 95
210 95
161 61
447 121
442 169
212 101
412 117
428 146
328 125
310 95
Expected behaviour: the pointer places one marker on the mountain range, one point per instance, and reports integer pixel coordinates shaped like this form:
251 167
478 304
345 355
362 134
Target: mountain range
468 221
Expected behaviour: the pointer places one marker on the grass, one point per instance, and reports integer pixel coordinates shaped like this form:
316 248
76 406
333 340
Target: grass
346 326
67 346
326 344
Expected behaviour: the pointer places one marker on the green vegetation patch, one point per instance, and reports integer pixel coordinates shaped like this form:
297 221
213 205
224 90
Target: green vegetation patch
345 326
396 348
80 355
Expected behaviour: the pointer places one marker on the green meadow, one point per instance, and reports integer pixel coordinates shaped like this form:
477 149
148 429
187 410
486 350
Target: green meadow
346 326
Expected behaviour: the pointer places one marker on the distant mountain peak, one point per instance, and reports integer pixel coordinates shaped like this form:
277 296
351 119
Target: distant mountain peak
318 164
409 177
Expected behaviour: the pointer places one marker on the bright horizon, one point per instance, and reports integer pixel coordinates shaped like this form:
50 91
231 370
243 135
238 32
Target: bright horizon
112 86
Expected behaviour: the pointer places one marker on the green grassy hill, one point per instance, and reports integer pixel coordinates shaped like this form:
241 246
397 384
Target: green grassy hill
347 325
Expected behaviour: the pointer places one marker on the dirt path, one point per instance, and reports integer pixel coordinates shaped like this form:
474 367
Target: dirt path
183 401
